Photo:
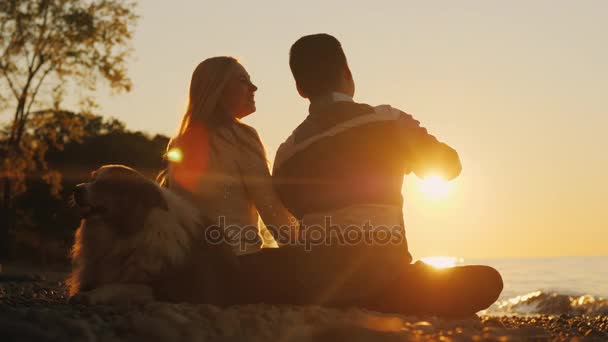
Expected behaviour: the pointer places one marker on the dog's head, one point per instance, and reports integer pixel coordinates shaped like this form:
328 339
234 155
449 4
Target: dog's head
119 196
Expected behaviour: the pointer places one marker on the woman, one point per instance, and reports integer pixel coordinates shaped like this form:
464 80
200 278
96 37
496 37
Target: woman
218 162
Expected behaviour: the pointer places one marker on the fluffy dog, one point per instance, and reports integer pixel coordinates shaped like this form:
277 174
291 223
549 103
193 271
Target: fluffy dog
138 242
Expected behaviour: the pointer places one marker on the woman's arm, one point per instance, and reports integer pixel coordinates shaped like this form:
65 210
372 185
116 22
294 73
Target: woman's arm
255 174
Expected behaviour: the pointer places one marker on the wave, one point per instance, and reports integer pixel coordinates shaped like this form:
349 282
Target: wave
550 303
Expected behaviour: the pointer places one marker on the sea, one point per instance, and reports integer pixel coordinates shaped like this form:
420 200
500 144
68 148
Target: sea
551 285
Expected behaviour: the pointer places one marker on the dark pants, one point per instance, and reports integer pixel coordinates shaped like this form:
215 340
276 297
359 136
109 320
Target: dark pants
375 278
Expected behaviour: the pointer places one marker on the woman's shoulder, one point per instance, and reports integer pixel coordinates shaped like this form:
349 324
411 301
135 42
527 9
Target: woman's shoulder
248 130
247 136
250 143
194 135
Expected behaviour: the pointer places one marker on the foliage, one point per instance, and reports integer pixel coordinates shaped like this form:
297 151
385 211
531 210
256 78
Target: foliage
45 215
45 44
45 130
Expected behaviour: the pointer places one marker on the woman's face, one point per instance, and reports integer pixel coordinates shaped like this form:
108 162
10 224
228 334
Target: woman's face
237 99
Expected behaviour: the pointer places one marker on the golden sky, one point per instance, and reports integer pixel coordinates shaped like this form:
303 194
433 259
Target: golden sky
519 88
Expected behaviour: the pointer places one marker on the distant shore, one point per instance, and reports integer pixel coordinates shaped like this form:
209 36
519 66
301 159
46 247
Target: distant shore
33 307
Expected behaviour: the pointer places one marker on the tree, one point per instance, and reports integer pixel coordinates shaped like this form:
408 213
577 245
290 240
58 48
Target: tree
44 44
45 219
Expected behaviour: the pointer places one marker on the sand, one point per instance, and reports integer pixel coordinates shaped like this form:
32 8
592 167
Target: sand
33 307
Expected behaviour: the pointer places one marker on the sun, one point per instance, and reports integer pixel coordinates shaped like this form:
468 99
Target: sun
435 187
442 261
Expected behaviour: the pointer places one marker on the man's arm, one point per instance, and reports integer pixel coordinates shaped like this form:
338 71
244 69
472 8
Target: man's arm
425 155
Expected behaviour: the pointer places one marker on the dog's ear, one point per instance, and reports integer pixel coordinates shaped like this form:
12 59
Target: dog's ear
142 192
137 199
151 196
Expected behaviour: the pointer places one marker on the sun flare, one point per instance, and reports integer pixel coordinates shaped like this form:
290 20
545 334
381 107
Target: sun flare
435 187
442 261
175 155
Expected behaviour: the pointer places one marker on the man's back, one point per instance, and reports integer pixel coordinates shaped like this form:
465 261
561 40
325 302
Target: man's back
339 156
350 155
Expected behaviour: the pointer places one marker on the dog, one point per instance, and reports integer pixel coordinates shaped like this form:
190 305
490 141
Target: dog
139 242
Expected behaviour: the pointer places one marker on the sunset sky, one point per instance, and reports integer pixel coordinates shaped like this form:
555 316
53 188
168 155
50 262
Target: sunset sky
519 88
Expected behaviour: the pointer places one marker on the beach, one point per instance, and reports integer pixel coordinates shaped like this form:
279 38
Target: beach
33 307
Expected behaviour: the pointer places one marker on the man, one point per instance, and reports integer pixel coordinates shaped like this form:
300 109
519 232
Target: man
341 173
347 160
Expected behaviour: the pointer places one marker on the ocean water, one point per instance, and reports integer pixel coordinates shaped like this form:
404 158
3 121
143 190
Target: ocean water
553 285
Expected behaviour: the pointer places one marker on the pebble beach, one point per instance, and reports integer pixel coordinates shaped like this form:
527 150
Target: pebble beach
34 307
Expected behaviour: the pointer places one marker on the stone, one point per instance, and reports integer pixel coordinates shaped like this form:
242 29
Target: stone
424 327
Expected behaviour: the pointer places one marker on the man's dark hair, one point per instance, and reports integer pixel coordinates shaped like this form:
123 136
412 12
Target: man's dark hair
316 62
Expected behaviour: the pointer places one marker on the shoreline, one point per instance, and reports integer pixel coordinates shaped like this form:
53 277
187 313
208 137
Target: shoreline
33 306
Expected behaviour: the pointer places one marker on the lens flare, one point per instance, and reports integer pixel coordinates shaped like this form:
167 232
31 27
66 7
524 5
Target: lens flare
175 155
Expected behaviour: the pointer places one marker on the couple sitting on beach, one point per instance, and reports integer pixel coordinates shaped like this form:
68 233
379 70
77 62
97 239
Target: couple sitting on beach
333 202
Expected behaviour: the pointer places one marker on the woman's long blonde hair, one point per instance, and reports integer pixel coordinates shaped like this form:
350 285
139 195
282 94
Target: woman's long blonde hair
206 88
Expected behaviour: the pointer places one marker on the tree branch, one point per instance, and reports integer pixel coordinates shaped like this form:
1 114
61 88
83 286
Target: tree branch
43 27
10 82
12 40
35 91
22 103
